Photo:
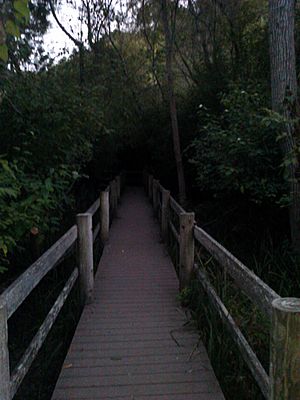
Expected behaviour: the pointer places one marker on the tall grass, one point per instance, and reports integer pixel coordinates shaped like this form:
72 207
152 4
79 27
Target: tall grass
259 238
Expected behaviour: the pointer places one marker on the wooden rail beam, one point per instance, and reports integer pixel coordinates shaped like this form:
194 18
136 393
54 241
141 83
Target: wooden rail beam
246 351
85 249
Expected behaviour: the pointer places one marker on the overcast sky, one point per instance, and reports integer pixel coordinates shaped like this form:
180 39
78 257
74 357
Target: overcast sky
55 39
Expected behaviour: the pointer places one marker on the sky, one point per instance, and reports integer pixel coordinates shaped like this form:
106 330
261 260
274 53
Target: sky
55 40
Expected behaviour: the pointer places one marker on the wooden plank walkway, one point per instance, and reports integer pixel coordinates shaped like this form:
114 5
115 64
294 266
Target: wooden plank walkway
132 342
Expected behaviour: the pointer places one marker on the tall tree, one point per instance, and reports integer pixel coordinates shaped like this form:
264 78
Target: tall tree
284 97
169 31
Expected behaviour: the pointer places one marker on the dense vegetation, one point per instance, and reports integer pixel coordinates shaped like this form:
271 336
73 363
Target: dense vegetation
107 105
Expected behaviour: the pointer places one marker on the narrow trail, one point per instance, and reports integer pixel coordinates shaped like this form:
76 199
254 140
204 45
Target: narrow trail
133 341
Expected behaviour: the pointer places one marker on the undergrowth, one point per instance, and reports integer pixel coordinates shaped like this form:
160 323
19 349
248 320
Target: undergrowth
269 255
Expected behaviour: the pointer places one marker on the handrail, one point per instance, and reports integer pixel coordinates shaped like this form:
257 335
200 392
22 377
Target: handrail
176 206
16 293
283 382
21 370
246 351
174 231
94 207
257 290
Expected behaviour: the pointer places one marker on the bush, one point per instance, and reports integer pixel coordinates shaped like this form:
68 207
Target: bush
236 153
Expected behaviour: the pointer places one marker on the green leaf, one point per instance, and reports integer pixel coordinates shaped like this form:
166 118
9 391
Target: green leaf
22 7
3 52
12 28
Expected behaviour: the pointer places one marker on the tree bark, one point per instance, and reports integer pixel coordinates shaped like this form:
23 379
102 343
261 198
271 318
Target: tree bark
284 97
169 43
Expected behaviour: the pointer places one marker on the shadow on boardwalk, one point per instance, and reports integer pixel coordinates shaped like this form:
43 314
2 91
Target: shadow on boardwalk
132 342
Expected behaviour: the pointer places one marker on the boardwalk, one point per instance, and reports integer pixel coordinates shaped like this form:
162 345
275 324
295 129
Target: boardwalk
133 341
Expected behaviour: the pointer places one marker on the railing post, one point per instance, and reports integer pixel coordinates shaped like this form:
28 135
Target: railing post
150 185
186 249
85 248
104 215
285 350
154 195
165 214
4 356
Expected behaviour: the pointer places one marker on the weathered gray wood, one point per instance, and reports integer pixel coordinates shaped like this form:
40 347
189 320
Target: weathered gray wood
285 350
129 342
4 355
38 340
155 196
96 231
16 293
186 248
85 249
150 185
165 213
174 231
258 291
245 349
176 206
104 215
94 207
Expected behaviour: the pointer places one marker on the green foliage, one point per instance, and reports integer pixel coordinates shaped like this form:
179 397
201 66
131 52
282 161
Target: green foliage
185 296
28 201
237 152
13 16
49 129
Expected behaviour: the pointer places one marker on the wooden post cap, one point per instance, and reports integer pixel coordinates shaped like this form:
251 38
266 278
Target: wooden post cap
287 304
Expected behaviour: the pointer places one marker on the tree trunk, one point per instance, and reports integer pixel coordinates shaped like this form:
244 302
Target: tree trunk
284 97
169 43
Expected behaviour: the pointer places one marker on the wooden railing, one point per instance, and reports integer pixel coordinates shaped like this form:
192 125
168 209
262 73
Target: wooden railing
282 381
15 294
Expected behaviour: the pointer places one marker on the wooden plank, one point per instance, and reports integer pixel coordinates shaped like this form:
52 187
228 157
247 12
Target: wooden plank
96 231
257 290
176 206
239 339
36 343
16 293
94 207
174 231
4 356
135 322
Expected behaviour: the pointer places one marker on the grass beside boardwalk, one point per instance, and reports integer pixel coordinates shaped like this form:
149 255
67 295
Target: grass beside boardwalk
269 255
